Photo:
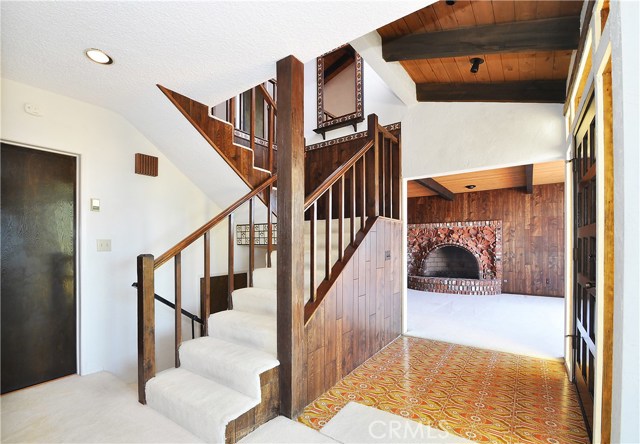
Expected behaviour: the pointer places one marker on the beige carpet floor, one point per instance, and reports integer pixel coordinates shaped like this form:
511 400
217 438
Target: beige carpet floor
84 409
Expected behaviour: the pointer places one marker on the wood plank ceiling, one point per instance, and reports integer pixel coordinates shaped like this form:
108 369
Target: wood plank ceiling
526 47
511 177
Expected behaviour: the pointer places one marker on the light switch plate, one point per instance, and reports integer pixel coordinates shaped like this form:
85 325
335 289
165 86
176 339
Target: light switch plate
95 204
104 244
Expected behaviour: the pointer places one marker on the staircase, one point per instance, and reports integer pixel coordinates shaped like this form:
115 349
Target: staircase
227 382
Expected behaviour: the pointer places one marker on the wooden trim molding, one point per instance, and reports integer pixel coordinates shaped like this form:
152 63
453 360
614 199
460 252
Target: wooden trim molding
361 135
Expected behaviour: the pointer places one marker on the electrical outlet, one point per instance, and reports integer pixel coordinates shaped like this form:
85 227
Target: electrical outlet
104 244
387 255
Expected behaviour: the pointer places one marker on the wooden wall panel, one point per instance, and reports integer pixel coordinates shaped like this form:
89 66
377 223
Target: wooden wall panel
361 313
532 231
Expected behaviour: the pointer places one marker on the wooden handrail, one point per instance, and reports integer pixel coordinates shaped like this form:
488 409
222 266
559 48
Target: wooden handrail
268 97
184 243
335 176
387 134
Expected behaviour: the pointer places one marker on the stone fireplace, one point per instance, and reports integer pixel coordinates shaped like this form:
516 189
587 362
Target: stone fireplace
456 257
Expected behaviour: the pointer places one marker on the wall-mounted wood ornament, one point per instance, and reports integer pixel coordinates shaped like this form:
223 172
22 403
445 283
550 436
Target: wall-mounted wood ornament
146 165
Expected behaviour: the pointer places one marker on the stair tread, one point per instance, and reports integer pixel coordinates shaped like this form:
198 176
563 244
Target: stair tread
244 328
255 299
233 365
200 405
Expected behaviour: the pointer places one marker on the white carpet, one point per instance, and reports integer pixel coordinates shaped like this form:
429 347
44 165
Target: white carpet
198 404
230 364
525 325
93 408
282 430
357 423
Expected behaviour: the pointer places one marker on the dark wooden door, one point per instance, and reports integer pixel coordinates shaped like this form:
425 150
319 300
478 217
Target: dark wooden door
584 285
38 266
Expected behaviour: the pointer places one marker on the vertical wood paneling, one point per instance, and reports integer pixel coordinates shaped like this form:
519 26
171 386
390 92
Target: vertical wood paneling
533 231
351 325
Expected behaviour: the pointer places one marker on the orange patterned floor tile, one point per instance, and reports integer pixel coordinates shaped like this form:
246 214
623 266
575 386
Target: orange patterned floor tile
482 395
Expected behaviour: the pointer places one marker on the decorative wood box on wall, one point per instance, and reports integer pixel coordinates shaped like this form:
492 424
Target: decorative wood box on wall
146 165
260 233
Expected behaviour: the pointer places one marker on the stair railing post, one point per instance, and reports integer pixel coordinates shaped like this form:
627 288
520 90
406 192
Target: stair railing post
373 172
269 225
146 324
270 135
291 198
252 242
205 297
230 265
252 124
177 273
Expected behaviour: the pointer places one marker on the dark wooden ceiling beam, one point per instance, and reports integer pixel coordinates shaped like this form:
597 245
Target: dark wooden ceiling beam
561 33
534 91
528 178
434 186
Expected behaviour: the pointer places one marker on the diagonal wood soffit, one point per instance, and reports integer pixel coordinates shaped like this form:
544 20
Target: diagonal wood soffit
526 47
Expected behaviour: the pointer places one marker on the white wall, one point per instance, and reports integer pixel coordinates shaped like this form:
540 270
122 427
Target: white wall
624 22
442 138
139 214
378 99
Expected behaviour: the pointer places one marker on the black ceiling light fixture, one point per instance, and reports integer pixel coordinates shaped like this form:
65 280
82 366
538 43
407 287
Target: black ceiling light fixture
450 2
470 187
475 64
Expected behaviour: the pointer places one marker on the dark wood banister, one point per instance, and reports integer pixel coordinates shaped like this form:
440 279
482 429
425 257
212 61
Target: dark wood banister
184 243
268 98
336 175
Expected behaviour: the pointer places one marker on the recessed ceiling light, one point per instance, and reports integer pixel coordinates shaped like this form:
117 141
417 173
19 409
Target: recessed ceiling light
98 56
470 187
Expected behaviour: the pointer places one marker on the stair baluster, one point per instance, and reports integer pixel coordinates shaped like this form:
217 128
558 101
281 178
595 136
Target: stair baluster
230 263
177 274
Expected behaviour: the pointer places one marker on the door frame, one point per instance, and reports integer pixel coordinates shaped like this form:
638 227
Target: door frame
77 238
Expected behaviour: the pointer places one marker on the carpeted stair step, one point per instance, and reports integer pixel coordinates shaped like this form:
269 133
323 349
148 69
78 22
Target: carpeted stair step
256 299
248 329
200 405
230 364
265 277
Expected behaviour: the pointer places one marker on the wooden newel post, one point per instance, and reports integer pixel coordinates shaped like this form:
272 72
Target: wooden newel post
146 324
290 160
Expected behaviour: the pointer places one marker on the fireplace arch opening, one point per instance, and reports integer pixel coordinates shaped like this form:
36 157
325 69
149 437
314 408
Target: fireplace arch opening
451 261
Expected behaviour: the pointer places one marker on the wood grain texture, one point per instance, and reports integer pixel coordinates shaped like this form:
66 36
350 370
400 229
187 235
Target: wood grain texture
220 136
533 232
529 91
609 259
361 312
146 324
291 197
267 409
497 67
549 34
509 177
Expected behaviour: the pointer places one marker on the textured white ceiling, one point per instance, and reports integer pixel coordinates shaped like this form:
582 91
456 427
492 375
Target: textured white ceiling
209 51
